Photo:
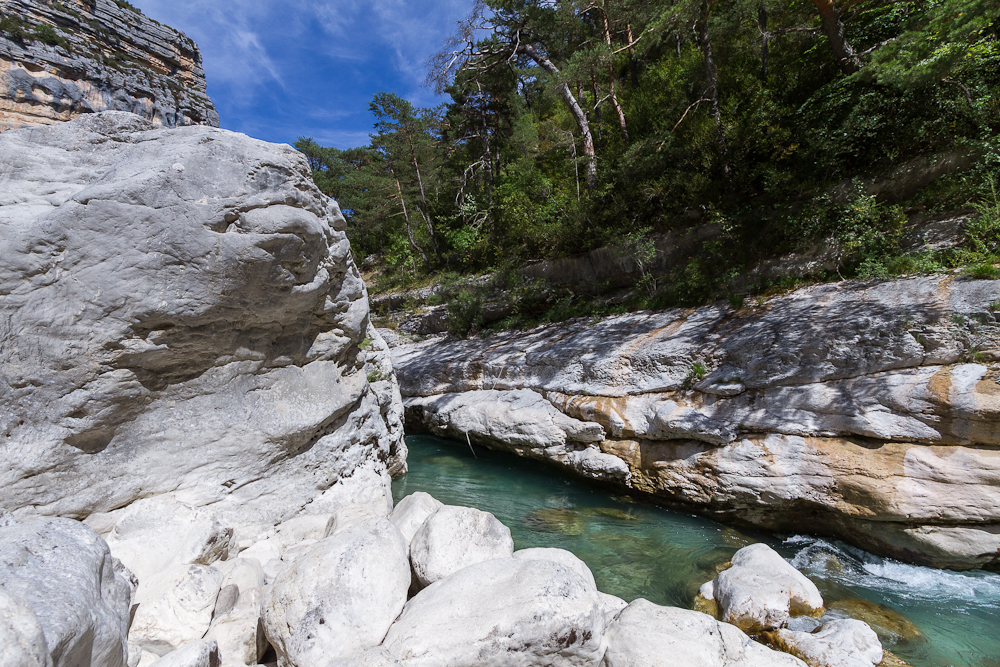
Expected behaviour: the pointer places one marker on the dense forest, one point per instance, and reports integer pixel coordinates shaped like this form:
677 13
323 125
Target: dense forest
579 124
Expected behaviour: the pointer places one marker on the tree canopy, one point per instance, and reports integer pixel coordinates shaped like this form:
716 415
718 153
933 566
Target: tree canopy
577 123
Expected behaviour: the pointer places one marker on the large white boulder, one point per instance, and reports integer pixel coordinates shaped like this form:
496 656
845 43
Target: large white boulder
22 642
454 538
648 635
502 613
339 597
841 643
761 591
63 572
154 533
182 316
567 558
411 512
175 608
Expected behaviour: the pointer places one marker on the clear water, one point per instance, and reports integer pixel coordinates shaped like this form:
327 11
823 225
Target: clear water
936 618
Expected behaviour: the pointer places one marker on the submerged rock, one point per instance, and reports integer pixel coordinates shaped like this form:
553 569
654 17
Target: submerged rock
502 613
648 635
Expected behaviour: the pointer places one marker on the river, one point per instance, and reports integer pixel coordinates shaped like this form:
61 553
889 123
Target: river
930 618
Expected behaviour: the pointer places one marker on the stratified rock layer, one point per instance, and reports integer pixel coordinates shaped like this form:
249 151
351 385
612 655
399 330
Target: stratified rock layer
180 316
100 55
863 410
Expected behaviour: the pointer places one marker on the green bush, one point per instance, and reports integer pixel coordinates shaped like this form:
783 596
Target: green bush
983 271
13 27
465 312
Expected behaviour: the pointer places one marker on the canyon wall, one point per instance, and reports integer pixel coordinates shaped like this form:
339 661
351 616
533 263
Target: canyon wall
62 59
863 410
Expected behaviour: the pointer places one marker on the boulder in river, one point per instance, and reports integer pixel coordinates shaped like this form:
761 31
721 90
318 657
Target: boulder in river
502 613
648 635
841 643
454 538
761 591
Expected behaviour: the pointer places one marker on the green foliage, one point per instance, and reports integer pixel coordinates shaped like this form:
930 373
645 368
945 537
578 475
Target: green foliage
376 375
13 27
46 34
791 152
465 312
697 372
982 271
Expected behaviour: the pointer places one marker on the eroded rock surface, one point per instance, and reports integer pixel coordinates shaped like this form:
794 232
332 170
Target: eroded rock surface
863 410
181 317
106 56
62 573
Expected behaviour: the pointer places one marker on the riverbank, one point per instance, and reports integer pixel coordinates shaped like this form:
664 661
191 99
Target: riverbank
637 550
863 411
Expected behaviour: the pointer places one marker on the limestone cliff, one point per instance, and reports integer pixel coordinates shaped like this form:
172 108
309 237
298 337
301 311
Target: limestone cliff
867 411
62 59
180 315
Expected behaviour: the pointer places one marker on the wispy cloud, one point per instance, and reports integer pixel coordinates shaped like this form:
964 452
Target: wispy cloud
279 69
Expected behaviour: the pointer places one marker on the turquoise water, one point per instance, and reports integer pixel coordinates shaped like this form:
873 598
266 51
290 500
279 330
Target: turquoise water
931 618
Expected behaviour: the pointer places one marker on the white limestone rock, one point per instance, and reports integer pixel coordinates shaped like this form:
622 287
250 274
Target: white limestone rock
841 643
761 591
63 572
244 573
175 608
376 657
209 285
648 635
339 597
562 556
203 653
155 533
411 512
22 642
502 613
239 631
520 417
454 538
612 604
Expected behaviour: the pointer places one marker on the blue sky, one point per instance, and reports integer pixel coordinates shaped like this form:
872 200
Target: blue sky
280 69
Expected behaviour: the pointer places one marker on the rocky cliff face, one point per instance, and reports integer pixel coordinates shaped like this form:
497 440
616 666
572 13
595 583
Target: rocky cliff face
180 315
865 411
62 59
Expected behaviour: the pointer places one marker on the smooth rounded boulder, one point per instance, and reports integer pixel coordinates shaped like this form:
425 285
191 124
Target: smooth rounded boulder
502 613
567 558
648 635
339 597
412 511
761 591
845 642
62 570
454 538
